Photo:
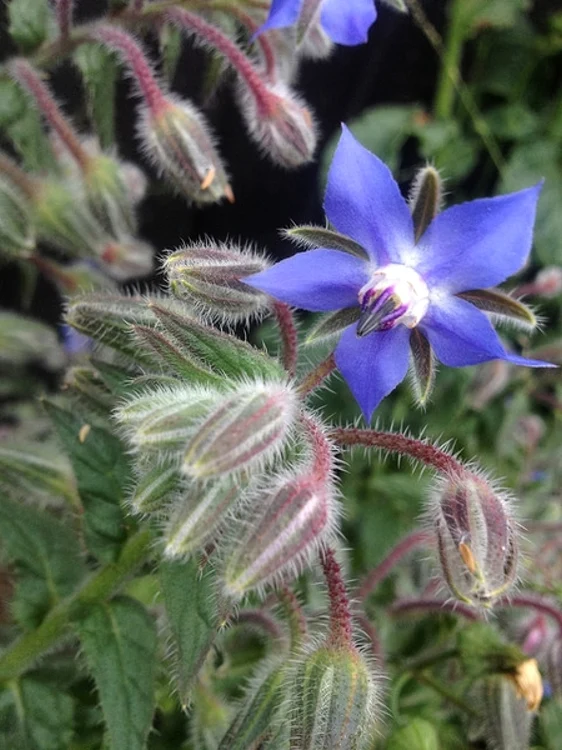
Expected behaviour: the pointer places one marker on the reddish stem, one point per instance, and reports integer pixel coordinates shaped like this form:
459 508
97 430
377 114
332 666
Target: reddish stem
415 604
259 619
410 542
395 443
311 381
194 24
15 174
63 9
534 601
30 80
376 648
286 323
295 616
133 56
321 449
340 616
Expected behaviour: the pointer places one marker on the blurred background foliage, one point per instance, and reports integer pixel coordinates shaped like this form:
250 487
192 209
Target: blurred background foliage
475 88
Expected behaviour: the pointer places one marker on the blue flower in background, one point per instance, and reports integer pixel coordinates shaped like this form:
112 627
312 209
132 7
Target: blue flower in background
402 287
345 21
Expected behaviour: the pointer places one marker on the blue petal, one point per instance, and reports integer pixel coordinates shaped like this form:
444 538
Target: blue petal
373 365
348 22
363 201
316 280
461 335
281 14
479 244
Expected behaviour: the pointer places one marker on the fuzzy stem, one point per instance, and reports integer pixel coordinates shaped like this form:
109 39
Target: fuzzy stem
63 10
27 77
536 602
286 323
133 56
421 604
374 640
194 24
400 550
295 617
257 618
321 449
24 652
15 174
340 615
395 443
311 381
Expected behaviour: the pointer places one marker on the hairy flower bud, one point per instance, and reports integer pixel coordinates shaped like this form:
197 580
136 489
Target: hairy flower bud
504 720
207 276
179 142
199 517
548 282
476 540
278 122
155 487
247 428
287 527
126 258
333 700
108 195
17 235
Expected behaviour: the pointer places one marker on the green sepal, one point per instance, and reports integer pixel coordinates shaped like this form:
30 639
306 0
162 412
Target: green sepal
155 488
498 303
423 366
312 237
333 324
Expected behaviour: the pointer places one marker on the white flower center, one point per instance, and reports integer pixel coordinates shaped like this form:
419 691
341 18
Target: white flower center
394 294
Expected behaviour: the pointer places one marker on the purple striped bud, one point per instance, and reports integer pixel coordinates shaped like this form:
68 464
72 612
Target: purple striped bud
207 276
476 540
179 142
248 428
286 530
333 700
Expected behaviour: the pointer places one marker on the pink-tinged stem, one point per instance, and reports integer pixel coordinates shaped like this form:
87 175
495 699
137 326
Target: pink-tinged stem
31 81
536 602
295 616
415 604
134 58
374 640
262 41
311 381
395 443
63 10
15 174
396 554
321 449
261 620
194 24
340 616
286 323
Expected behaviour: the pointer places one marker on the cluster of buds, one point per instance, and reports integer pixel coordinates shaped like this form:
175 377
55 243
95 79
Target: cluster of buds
476 539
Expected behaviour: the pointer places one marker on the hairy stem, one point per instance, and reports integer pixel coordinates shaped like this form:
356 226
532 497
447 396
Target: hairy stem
294 615
286 323
311 381
392 442
422 604
537 602
340 615
63 10
24 652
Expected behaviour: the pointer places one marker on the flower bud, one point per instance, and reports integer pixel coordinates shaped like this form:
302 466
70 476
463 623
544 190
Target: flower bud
505 719
528 683
155 488
287 528
199 517
108 195
17 236
246 429
476 540
126 258
178 140
332 700
71 278
548 281
207 276
279 122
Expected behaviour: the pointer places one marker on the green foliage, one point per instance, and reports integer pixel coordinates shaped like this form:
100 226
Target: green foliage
102 475
119 643
29 22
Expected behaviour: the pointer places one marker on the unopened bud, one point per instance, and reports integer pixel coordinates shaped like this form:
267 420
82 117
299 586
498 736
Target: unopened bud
316 44
548 282
155 488
280 123
246 429
207 276
108 195
164 419
200 516
71 278
476 540
126 258
534 635
333 700
528 683
505 719
179 142
17 236
288 527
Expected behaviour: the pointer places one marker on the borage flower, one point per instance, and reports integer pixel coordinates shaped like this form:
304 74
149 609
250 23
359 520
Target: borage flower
403 277
344 21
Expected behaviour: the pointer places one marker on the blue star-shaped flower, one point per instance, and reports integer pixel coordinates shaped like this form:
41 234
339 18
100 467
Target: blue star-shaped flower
401 291
345 21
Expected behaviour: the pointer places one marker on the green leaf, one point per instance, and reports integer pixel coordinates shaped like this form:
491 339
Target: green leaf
102 474
527 164
29 23
47 556
119 642
46 714
419 734
99 72
193 618
484 14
